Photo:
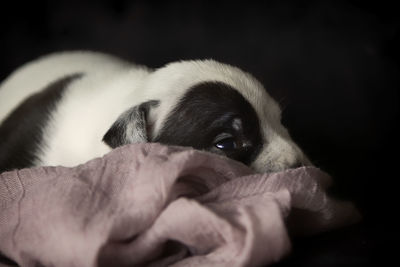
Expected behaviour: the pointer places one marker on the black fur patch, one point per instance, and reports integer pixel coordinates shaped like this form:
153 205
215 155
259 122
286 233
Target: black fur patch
207 110
22 131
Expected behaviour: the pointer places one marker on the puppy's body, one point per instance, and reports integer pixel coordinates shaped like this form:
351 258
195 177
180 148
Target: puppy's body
88 106
94 102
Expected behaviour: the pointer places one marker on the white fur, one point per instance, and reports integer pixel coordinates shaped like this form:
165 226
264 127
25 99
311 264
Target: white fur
110 86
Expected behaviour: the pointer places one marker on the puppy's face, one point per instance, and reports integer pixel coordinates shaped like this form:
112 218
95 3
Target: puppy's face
214 107
215 117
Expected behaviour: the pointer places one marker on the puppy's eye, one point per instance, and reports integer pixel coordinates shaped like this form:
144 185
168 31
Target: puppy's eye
226 144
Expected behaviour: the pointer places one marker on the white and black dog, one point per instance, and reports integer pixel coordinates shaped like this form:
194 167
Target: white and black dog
67 108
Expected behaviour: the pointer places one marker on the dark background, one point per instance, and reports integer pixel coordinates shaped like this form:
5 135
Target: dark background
332 65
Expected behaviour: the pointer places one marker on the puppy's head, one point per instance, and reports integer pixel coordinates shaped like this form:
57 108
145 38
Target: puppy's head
210 106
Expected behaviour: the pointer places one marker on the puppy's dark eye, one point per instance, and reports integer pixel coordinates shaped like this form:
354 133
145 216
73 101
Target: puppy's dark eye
226 144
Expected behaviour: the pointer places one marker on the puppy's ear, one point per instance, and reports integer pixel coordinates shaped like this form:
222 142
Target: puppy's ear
131 126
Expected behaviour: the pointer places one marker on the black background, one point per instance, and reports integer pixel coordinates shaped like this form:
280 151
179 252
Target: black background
332 65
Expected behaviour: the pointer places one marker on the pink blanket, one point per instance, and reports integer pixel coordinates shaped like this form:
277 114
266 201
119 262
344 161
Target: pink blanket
153 205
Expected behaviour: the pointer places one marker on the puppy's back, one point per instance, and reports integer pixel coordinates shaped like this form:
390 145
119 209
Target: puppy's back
31 96
36 75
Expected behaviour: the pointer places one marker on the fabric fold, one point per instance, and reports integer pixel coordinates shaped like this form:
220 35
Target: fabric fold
155 205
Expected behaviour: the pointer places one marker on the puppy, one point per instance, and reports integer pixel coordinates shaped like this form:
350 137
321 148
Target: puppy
67 108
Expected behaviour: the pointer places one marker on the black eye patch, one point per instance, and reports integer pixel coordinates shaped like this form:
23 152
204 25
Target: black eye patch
208 110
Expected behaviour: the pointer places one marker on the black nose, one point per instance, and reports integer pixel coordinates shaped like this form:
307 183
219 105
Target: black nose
296 165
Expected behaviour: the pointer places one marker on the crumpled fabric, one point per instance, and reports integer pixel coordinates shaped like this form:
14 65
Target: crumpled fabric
155 205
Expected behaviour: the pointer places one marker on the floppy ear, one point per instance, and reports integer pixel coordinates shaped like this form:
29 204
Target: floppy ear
131 126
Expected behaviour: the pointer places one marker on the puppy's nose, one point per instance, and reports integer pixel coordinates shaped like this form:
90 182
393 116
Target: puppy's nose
301 162
296 165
